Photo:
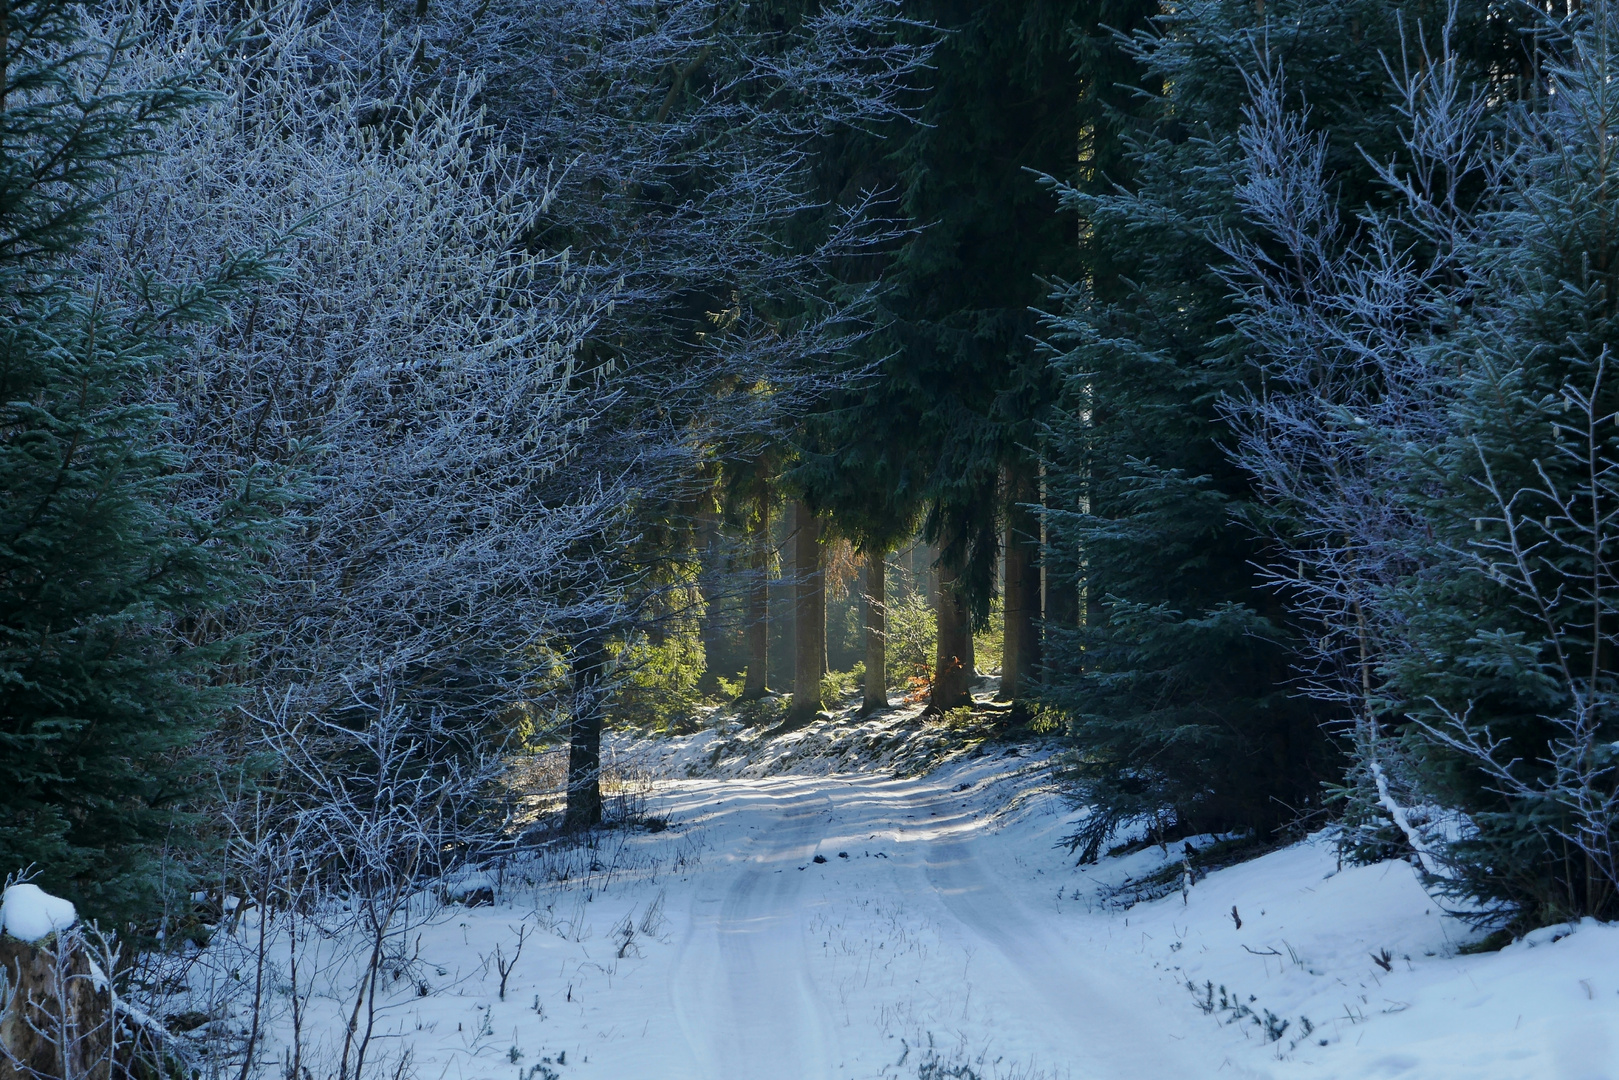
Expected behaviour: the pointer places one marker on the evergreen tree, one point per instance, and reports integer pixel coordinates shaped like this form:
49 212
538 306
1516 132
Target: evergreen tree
1435 440
1491 703
960 383
108 676
1181 682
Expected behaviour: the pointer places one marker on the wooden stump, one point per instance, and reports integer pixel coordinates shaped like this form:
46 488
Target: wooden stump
55 1010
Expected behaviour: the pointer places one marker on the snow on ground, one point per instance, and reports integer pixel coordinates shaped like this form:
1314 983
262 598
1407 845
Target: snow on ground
805 917
1361 965
897 741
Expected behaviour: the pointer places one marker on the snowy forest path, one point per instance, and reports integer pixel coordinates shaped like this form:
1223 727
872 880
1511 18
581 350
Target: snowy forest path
837 970
1038 968
741 989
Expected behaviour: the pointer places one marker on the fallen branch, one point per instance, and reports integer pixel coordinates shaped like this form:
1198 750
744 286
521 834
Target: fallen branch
1430 862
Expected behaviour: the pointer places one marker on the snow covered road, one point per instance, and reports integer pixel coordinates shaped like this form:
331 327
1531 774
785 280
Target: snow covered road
741 982
943 936
1063 987
796 969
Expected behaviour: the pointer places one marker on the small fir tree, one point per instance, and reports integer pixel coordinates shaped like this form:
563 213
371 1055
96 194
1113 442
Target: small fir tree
108 675
1181 679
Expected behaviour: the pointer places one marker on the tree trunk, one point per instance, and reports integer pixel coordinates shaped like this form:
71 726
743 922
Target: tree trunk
56 1020
809 616
951 670
1020 658
818 620
969 655
875 599
929 577
708 588
1061 579
584 807
757 631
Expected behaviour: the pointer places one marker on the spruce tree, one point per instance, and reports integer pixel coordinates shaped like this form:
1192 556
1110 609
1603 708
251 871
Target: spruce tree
1501 690
108 676
1181 681
1436 438
953 412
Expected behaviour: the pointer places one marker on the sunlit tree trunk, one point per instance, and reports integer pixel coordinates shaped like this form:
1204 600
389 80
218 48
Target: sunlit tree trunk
809 615
875 600
757 630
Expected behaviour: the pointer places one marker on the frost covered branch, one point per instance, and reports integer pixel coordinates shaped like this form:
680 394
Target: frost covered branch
413 376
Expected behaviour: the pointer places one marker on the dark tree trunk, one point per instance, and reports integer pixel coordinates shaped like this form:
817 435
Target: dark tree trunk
969 659
1062 578
584 807
1020 657
952 663
757 631
929 578
875 599
809 616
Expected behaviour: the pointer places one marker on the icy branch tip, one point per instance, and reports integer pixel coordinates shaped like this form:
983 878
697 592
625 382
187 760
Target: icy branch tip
29 913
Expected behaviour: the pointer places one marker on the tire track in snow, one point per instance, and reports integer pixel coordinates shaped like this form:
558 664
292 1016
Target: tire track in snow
1088 1002
742 986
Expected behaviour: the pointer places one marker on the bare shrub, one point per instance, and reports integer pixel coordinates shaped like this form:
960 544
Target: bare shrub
413 371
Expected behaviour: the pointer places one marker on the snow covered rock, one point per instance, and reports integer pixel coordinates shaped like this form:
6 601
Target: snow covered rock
29 913
470 889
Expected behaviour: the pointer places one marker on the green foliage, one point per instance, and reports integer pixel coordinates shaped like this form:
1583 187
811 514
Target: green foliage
763 712
657 683
727 689
838 685
1045 720
1179 681
913 637
108 676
